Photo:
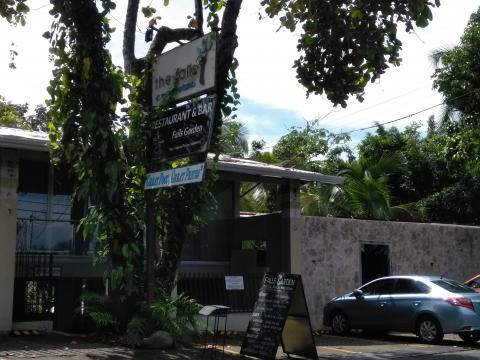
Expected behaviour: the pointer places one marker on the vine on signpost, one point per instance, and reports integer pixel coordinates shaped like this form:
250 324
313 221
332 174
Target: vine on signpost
184 209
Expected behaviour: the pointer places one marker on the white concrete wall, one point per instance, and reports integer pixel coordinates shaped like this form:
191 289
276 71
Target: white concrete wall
8 233
330 263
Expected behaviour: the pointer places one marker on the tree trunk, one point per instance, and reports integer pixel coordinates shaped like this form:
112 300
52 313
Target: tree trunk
174 229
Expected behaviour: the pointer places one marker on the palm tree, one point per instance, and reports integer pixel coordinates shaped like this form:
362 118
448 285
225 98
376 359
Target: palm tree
436 56
321 200
233 139
365 193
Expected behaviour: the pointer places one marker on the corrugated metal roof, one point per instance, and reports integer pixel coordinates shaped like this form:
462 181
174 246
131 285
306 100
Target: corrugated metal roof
38 141
11 138
250 167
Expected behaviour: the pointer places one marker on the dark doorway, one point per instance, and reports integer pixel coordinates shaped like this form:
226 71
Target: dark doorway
375 261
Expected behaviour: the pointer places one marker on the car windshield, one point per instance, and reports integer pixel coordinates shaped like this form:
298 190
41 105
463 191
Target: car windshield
453 286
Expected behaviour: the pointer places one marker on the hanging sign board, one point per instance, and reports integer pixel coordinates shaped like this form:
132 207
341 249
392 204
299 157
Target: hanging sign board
280 314
173 177
183 131
184 71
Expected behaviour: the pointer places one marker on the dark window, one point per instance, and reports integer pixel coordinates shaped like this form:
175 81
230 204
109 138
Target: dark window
423 288
409 286
380 287
260 247
33 177
453 286
62 182
475 283
43 218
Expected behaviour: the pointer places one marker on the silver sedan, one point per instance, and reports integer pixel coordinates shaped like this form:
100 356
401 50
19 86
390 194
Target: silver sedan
428 306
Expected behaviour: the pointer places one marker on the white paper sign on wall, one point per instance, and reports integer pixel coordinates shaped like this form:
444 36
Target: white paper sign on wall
234 283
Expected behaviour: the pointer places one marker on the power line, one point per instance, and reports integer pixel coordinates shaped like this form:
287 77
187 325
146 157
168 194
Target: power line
41 7
391 121
403 117
118 21
378 104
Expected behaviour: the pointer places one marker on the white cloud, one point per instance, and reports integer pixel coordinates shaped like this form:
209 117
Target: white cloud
265 74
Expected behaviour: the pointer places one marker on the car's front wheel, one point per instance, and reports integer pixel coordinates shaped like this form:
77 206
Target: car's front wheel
340 323
470 337
429 330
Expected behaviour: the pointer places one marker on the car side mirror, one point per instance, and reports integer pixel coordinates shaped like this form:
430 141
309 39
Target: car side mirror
358 293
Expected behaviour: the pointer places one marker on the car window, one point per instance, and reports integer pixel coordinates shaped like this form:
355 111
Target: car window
474 283
453 286
410 286
379 287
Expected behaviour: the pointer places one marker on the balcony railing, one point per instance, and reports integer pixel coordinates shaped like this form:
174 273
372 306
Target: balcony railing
45 235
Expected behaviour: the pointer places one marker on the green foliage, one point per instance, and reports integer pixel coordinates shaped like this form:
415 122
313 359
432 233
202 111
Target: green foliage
437 184
458 203
456 75
172 313
97 307
214 7
88 137
344 44
15 116
102 319
137 329
305 148
365 191
148 11
309 148
175 314
320 200
233 138
14 11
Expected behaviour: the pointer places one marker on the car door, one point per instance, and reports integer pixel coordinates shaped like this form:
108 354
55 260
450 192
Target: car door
370 308
405 303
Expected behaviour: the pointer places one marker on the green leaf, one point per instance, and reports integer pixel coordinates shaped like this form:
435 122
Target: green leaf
356 14
148 11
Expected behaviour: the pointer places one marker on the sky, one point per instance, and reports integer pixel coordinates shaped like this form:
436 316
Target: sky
272 101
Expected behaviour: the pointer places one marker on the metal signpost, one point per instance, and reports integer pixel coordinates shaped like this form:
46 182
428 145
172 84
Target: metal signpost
178 75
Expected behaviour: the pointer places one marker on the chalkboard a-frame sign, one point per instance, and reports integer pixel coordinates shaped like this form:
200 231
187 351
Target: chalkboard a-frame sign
280 315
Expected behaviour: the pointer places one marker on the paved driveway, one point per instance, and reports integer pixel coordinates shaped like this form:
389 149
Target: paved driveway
396 346
393 346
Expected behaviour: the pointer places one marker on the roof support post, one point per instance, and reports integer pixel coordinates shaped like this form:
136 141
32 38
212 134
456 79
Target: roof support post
290 192
8 235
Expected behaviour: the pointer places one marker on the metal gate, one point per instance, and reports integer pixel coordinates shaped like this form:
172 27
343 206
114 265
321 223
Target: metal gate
210 289
34 289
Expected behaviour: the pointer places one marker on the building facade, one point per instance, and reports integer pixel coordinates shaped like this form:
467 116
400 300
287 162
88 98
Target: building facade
46 265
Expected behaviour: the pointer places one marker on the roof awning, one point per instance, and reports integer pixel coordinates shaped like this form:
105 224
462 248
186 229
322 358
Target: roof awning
255 168
11 138
38 141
